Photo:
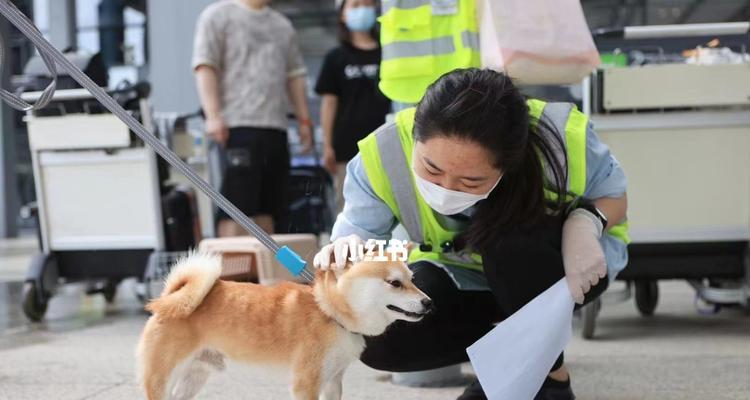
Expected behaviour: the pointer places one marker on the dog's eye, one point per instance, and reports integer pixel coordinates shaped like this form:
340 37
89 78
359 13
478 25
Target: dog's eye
396 284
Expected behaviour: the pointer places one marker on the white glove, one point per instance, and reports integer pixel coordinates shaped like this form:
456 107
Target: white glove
582 253
341 249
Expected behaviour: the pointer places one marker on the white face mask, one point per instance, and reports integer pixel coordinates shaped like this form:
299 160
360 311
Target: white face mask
446 201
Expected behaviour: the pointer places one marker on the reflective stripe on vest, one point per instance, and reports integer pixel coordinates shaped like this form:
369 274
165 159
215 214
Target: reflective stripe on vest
437 46
556 115
571 128
393 160
419 44
470 40
402 4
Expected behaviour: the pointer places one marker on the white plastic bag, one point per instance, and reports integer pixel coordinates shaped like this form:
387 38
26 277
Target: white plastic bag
537 41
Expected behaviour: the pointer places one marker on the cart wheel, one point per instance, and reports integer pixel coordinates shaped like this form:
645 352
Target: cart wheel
110 291
140 292
588 316
646 297
152 282
34 305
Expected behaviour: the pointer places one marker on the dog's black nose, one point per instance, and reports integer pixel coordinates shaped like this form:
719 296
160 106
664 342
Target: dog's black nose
427 304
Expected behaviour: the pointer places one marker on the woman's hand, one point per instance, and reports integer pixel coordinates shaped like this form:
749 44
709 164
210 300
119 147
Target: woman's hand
582 253
329 160
337 253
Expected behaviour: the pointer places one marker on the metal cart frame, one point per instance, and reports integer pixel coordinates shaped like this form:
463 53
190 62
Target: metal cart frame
62 154
713 256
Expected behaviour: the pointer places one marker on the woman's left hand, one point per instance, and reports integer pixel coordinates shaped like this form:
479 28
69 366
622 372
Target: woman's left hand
583 256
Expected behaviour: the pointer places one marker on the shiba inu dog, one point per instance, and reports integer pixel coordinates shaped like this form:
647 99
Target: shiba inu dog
316 331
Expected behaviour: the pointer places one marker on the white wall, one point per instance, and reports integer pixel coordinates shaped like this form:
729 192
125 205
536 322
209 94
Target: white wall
170 36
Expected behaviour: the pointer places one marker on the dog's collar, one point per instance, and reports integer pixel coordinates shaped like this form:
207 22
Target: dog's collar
344 328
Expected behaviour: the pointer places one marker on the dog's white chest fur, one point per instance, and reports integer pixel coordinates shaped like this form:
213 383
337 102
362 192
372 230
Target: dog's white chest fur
345 349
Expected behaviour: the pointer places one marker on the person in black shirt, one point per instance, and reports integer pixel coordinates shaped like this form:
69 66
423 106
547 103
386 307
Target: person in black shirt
352 105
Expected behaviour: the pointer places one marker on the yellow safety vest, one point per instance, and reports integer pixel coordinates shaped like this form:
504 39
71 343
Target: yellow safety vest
422 40
386 156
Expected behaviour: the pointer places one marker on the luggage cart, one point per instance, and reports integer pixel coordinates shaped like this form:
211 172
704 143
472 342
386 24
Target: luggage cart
682 133
310 193
99 196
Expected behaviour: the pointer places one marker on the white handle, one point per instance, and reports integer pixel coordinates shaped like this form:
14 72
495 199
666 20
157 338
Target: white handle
686 30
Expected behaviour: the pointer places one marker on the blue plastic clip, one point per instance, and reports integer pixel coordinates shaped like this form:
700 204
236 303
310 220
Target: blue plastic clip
291 260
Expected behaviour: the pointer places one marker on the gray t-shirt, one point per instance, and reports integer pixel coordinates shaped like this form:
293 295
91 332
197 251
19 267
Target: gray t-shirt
255 52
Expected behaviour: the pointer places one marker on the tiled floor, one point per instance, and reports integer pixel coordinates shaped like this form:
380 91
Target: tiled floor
84 350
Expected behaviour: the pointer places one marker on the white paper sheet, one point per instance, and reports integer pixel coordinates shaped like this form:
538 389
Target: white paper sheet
512 360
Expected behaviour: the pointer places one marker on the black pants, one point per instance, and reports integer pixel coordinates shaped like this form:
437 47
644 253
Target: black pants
522 265
257 171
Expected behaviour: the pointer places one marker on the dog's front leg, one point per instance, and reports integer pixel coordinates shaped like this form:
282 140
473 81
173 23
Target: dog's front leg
332 388
305 383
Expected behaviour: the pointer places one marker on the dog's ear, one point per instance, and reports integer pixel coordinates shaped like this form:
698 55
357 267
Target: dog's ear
333 272
330 275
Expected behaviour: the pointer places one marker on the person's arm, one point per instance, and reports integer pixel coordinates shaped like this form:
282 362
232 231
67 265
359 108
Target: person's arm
365 217
364 214
296 90
208 48
614 208
298 97
328 108
207 80
606 184
328 87
584 257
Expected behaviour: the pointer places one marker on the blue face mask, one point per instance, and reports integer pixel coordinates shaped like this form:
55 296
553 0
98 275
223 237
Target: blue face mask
360 19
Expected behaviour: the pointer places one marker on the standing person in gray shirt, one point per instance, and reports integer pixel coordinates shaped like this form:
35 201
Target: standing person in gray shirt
246 61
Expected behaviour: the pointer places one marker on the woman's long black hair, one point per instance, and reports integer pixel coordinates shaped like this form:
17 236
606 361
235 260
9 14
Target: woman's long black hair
485 107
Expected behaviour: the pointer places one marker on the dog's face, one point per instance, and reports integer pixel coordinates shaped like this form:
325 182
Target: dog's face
381 292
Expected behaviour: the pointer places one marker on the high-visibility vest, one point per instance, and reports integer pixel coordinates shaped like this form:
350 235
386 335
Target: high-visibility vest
386 156
422 40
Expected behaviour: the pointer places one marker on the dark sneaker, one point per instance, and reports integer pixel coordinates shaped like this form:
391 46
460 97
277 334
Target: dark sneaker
555 390
473 392
550 390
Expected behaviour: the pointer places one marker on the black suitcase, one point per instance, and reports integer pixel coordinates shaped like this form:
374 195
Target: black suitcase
181 224
309 197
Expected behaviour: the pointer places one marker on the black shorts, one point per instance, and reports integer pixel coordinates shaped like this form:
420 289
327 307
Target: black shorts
257 170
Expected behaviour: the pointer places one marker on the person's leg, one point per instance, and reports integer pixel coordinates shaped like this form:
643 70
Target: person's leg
524 264
441 338
243 180
273 150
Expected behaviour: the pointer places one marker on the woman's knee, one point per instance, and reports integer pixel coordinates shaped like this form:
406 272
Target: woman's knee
409 351
438 340
538 246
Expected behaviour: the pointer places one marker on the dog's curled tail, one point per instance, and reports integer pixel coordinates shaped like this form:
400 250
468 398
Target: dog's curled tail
189 282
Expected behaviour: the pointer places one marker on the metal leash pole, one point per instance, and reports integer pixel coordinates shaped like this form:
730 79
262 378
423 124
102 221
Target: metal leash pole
286 256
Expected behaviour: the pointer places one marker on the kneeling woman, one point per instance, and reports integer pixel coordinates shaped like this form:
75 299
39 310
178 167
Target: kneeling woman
503 196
